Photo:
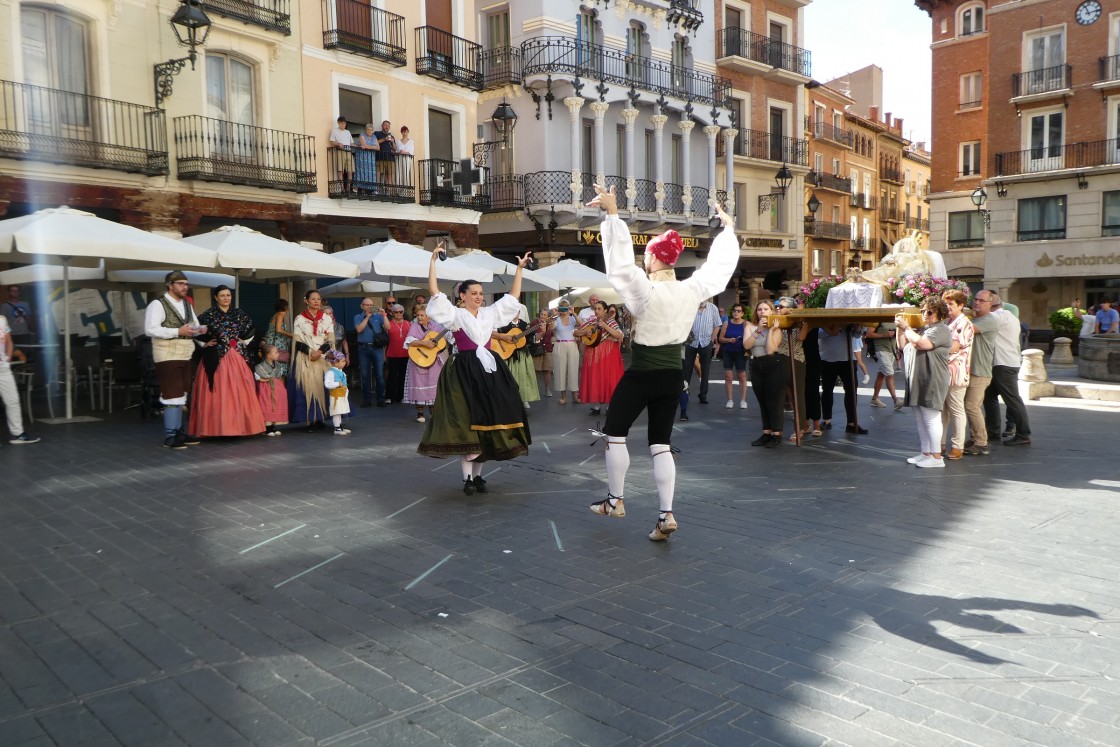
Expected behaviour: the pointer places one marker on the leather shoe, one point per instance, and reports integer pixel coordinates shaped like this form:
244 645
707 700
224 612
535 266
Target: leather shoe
857 429
762 440
954 455
1018 440
975 450
703 401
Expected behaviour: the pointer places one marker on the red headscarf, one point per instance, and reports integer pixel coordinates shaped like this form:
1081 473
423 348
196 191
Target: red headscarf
667 247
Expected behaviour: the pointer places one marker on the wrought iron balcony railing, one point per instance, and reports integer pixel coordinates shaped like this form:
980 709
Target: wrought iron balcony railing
738 42
455 184
823 229
645 198
448 57
214 150
1058 157
501 66
865 200
45 124
358 27
892 175
891 215
674 198
269 14
552 55
826 131
859 242
618 182
1045 80
1110 68
918 224
507 192
548 188
354 175
830 182
773 147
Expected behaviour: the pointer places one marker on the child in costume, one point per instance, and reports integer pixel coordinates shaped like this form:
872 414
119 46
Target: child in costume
335 382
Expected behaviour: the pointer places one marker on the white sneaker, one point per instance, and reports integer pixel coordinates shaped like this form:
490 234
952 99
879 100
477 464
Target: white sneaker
730 404
931 463
742 404
866 379
526 405
876 402
548 393
916 458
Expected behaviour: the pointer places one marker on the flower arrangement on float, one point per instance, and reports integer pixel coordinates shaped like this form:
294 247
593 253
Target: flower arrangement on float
815 294
915 288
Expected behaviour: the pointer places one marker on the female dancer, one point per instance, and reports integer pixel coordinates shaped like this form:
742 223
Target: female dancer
225 395
312 337
602 362
479 416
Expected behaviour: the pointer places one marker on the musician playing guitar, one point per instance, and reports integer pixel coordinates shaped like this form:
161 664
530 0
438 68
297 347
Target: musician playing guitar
510 342
602 357
426 344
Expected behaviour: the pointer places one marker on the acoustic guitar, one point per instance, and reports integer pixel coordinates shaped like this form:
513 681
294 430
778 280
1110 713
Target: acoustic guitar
426 357
504 349
591 331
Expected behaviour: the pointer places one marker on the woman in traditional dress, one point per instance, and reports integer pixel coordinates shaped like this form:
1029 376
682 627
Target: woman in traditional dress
602 361
271 392
224 402
479 415
420 381
313 336
280 336
365 161
521 361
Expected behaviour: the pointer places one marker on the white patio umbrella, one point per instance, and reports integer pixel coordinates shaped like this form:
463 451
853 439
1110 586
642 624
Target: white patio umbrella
356 287
397 262
88 277
582 296
75 238
568 273
503 273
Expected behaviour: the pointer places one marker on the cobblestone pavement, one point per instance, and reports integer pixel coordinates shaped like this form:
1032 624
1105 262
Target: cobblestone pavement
317 590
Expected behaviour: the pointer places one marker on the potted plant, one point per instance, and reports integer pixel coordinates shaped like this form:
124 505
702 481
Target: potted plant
1064 323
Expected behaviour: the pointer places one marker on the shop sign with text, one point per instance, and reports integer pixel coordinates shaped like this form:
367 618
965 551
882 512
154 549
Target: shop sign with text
595 238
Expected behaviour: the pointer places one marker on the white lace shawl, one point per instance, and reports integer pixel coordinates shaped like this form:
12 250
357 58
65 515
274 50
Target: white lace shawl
477 328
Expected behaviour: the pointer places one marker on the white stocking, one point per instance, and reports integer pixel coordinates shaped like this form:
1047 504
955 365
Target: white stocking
664 474
476 469
618 462
465 463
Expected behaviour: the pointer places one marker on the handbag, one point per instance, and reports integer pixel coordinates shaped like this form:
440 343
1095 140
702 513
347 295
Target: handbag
381 339
283 356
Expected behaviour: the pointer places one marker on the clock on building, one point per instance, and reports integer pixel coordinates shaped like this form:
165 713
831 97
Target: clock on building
1088 12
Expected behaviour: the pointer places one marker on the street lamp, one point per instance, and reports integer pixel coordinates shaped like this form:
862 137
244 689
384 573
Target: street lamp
783 179
191 26
504 119
979 197
814 205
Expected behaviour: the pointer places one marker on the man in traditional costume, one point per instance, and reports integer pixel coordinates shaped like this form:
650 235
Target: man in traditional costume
663 309
172 325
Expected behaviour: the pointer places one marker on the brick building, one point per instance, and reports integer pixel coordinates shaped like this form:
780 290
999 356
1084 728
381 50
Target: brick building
1033 120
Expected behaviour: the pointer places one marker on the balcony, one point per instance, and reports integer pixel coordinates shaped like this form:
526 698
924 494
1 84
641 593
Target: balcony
548 188
455 184
859 243
507 192
355 26
618 182
1059 157
269 14
825 131
750 52
554 188
918 224
45 124
767 146
831 182
1044 81
501 66
449 58
560 55
1110 69
214 150
355 176
865 200
891 176
823 229
686 14
891 215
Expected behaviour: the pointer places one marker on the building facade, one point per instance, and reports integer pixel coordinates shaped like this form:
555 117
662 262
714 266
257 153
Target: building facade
1036 127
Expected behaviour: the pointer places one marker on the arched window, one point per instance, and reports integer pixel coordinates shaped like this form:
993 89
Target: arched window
229 89
55 56
637 51
587 34
682 62
970 19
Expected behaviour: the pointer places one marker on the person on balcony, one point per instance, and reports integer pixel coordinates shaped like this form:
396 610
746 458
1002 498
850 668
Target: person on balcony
386 154
365 161
342 141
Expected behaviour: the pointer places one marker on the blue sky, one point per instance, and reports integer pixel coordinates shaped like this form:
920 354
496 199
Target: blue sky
846 35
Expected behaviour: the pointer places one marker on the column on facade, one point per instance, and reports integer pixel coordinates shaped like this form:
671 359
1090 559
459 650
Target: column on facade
686 126
729 135
599 109
754 288
629 116
712 131
574 104
658 121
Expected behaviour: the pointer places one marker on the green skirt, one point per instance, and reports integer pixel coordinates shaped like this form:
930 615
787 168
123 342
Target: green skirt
498 430
521 366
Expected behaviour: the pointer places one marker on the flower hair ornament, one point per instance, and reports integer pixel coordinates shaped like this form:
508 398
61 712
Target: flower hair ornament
334 356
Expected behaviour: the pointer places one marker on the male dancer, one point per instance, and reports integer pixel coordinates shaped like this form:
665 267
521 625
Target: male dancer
663 309
172 325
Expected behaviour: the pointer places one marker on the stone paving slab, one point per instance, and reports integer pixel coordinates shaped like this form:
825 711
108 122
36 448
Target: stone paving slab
315 590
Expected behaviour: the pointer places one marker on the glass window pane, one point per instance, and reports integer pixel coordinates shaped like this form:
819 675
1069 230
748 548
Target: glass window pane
216 87
240 92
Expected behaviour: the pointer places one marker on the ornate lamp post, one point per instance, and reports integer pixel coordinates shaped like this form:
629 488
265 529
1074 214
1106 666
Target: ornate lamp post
191 26
979 197
504 119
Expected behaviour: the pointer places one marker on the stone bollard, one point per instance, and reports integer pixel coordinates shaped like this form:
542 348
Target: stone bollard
1063 353
1032 377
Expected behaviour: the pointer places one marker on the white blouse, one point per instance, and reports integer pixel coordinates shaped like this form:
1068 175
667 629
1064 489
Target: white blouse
477 328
